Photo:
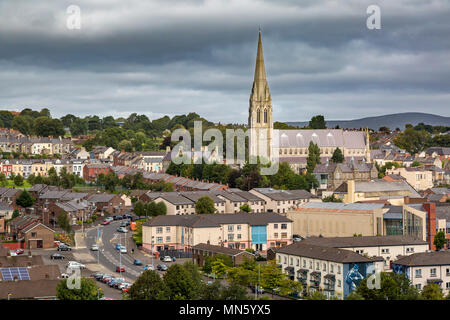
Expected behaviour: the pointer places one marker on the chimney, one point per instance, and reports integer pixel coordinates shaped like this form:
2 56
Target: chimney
430 208
351 191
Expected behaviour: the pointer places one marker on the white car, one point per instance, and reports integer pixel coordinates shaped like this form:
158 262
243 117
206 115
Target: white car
12 253
124 285
123 249
94 247
122 229
109 219
75 265
167 259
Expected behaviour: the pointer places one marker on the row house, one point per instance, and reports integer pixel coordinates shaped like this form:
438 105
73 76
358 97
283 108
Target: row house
107 203
101 152
419 178
389 248
239 231
442 153
9 196
35 145
76 209
93 170
425 268
281 201
331 271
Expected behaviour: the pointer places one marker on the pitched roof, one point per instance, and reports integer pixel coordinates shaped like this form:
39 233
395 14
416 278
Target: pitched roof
282 195
435 258
322 252
367 241
219 249
28 289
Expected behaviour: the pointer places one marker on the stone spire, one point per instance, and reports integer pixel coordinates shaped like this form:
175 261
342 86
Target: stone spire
260 91
367 146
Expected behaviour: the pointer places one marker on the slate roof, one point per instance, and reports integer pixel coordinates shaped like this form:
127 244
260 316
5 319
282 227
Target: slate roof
219 249
101 197
322 253
282 195
367 241
28 289
322 137
435 258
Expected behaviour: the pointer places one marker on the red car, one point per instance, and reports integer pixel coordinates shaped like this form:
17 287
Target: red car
105 223
120 269
19 251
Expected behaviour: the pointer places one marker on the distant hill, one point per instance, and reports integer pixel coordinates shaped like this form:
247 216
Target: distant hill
392 121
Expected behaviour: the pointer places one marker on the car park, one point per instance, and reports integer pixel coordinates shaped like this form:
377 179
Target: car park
161 267
167 259
57 256
64 247
137 262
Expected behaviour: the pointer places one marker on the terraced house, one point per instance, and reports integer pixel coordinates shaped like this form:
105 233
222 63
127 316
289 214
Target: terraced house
239 231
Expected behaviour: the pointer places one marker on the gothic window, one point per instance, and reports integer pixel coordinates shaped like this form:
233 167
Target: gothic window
265 116
258 116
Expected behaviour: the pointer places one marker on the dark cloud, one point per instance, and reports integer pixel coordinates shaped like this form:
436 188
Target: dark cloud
171 57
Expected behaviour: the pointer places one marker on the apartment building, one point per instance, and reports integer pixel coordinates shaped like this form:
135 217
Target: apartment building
389 248
418 178
281 201
239 231
425 268
334 272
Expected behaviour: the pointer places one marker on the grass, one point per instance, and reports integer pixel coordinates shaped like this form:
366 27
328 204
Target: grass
11 184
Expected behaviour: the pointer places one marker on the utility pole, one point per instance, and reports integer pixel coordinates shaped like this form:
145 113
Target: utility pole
120 255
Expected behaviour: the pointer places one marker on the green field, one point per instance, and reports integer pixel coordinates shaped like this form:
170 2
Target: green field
10 184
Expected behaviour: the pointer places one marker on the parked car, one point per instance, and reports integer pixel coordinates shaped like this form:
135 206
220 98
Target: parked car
137 262
75 265
94 247
118 246
125 223
115 281
12 253
149 267
127 216
105 222
120 269
19 251
64 247
122 229
257 288
167 259
161 267
97 275
56 256
104 277
123 249
110 219
124 285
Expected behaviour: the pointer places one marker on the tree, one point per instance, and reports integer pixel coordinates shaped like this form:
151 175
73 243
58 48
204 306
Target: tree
149 286
78 127
3 180
271 276
218 268
18 180
31 178
25 199
412 140
64 223
393 287
317 122
439 240
24 124
337 157
316 296
88 290
161 209
204 205
415 164
234 292
15 214
432 291
313 157
384 129
211 291
331 198
245 208
44 126
179 284
111 181
139 209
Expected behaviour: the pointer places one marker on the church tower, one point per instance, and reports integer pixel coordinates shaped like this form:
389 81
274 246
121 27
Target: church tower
260 120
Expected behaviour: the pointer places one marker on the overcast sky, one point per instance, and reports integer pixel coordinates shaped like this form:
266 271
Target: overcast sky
168 57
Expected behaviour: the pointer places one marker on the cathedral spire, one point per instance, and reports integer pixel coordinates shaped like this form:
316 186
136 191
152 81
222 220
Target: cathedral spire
260 87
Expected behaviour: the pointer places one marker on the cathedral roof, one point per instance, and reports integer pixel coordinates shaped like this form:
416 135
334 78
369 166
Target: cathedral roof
321 137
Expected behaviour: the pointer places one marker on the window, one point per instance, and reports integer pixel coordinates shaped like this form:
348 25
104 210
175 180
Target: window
239 236
339 283
418 273
238 227
168 239
283 226
310 265
360 251
447 285
284 235
409 249
339 270
291 261
159 230
285 260
230 237
230 228
258 116
433 272
419 286
159 239
265 116
275 235
33 234
167 229
275 226
317 266
447 271
298 262
331 268
386 250
324 266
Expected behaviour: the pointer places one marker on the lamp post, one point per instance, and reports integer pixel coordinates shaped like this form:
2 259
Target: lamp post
120 255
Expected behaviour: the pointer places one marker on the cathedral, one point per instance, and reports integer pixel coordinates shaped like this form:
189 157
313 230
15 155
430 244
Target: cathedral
291 146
